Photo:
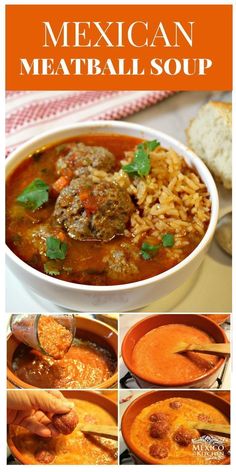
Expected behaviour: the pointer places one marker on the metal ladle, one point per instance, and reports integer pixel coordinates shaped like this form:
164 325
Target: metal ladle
223 233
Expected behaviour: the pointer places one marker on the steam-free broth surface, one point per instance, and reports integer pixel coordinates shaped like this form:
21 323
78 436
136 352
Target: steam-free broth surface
154 355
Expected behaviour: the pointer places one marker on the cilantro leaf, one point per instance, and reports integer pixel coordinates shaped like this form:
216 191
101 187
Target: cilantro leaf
149 250
56 249
141 163
34 195
149 145
51 268
168 240
145 255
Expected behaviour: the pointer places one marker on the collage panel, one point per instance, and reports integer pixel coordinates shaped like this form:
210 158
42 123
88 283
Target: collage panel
175 350
62 427
174 427
65 351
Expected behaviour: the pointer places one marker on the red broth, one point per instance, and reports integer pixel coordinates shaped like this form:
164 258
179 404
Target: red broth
154 355
85 261
85 365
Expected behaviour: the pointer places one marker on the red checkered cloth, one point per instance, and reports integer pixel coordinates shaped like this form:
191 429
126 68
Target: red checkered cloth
30 113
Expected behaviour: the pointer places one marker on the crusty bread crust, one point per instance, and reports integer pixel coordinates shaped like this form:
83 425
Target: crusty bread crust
224 109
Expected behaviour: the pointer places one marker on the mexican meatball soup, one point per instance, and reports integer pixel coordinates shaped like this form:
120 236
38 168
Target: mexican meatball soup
105 210
164 433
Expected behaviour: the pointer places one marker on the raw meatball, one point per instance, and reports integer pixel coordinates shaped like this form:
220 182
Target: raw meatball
44 456
184 436
75 158
159 417
175 405
93 211
158 451
66 423
159 429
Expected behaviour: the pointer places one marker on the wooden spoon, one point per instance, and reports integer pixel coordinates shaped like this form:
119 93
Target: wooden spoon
219 319
220 349
221 429
110 432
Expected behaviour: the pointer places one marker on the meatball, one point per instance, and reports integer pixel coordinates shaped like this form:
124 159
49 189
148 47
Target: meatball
159 429
204 418
175 405
44 456
66 423
159 417
184 436
93 211
75 158
37 235
122 261
158 451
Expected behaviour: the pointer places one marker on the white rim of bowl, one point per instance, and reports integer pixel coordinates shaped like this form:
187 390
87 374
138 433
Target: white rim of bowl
108 125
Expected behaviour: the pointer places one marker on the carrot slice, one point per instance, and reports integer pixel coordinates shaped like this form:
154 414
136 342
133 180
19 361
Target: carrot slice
84 195
89 201
60 183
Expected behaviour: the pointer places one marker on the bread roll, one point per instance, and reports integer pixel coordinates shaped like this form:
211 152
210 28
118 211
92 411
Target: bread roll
209 135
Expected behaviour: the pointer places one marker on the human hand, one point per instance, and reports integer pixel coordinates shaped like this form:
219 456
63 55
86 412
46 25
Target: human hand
33 409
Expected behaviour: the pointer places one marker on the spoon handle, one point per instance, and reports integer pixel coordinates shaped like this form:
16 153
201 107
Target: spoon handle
213 348
223 429
110 432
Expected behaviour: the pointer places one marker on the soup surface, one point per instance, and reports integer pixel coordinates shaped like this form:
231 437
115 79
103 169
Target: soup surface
154 356
162 432
105 210
86 364
77 447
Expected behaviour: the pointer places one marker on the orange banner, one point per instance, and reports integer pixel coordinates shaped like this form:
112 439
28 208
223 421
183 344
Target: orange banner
128 47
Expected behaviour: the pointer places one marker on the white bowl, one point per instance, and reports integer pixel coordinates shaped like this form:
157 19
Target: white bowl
116 298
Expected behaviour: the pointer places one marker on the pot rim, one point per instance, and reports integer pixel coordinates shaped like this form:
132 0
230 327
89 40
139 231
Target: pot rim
162 383
132 447
18 383
118 125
